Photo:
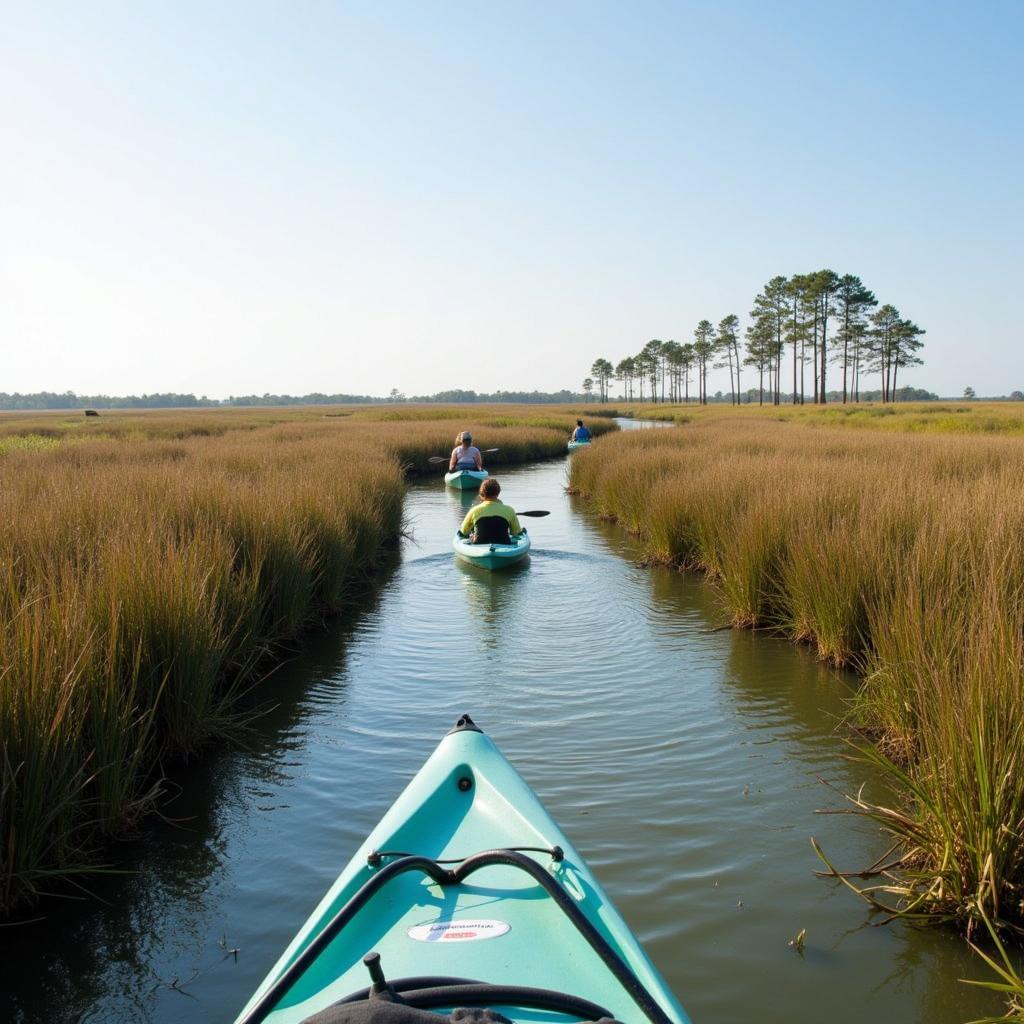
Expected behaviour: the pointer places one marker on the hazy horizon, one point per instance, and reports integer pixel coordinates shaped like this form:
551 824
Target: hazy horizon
256 198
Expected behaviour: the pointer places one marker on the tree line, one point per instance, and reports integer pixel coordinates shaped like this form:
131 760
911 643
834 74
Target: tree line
810 321
173 400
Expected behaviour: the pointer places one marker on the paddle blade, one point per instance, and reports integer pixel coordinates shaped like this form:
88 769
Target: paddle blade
436 459
490 451
536 514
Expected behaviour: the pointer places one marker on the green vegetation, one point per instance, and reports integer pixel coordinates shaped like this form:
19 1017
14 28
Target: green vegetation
152 563
899 555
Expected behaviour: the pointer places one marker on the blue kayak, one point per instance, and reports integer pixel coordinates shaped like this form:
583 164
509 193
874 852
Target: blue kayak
466 895
573 445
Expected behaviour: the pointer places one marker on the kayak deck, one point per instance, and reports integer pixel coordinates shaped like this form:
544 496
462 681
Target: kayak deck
573 445
497 924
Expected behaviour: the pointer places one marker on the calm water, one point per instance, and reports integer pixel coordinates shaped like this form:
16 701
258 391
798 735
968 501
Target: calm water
682 762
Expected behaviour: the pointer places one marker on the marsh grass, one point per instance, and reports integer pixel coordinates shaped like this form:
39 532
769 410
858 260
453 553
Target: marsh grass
983 418
151 573
900 555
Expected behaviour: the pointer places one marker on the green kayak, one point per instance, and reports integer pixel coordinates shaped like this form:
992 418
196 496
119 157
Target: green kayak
573 445
466 479
466 895
492 556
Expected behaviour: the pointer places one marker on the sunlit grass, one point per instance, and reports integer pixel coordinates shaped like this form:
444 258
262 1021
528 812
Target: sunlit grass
911 417
151 563
900 555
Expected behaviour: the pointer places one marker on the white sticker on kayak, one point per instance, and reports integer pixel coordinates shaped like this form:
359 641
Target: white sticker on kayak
463 930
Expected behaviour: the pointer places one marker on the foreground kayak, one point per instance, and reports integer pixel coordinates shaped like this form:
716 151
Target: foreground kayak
493 556
465 895
573 445
466 479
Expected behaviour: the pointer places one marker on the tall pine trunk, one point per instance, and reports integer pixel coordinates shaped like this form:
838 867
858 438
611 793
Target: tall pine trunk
803 362
824 347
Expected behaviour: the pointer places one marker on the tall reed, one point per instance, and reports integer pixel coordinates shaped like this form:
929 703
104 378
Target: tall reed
147 571
901 555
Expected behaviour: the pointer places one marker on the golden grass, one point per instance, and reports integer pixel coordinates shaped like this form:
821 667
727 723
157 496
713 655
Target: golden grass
900 555
911 417
150 563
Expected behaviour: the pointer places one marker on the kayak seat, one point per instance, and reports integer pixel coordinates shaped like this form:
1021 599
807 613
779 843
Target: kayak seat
491 530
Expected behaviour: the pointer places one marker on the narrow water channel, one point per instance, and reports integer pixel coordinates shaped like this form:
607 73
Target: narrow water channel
682 762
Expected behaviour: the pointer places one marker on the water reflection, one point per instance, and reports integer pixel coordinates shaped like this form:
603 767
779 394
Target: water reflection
494 600
461 502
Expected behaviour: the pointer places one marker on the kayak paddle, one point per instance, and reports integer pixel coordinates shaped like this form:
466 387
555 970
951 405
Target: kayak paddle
435 459
536 514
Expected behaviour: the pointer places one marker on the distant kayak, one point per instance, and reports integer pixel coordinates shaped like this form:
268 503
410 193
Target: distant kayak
493 556
466 894
466 479
573 445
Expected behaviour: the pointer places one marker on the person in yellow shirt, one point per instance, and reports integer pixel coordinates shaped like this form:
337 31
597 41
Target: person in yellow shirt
491 521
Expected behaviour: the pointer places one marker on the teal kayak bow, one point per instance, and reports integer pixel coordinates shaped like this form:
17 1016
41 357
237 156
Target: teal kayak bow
466 894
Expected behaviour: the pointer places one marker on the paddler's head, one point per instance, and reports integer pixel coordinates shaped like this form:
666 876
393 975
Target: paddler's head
465 438
490 489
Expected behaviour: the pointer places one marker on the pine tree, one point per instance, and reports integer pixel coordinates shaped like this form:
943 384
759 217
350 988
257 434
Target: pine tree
625 370
603 372
825 284
773 305
797 329
853 300
703 349
727 344
687 358
761 349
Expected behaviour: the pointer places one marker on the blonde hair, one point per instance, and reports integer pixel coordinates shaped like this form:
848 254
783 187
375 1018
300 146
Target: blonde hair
464 438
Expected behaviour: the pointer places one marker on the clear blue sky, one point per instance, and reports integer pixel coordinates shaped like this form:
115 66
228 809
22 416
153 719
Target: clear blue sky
248 197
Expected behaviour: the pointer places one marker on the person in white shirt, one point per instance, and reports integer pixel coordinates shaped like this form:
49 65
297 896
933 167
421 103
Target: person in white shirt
465 455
